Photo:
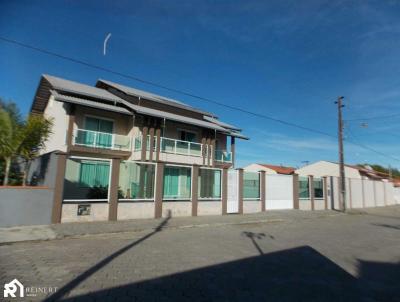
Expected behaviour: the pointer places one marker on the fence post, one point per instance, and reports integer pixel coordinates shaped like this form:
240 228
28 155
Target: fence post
195 187
311 191
325 185
224 194
363 192
349 194
158 196
113 202
262 190
296 205
59 188
240 190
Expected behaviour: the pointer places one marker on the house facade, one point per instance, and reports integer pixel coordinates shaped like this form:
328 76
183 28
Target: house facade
126 153
271 169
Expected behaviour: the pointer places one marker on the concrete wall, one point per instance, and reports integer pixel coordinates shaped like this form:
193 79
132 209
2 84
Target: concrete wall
251 206
57 111
43 170
397 195
25 206
305 204
319 204
98 212
209 208
135 210
379 193
177 208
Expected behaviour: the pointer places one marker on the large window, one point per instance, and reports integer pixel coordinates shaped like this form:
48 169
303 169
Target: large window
98 132
177 183
251 185
318 188
86 179
209 184
136 181
304 188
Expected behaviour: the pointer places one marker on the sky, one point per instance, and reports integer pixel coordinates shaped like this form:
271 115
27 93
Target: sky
289 60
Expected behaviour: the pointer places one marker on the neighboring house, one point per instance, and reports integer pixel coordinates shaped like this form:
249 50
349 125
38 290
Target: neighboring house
98 127
271 169
327 168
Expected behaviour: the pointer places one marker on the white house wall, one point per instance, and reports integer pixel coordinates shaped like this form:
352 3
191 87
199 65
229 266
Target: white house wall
325 168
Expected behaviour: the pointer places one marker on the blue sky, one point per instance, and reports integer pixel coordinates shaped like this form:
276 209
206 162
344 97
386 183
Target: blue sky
286 59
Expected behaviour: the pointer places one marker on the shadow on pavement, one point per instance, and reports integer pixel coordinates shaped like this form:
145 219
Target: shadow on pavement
298 274
86 274
394 227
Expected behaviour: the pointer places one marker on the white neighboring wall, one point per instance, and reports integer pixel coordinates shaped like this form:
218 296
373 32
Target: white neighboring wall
257 167
57 140
325 168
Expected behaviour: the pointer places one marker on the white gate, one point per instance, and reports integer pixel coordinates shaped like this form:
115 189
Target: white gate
233 193
279 192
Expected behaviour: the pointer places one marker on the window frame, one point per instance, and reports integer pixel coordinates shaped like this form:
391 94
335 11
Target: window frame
259 187
191 184
198 185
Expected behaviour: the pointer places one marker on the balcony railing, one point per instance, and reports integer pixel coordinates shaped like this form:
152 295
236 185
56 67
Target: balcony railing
223 156
102 140
173 146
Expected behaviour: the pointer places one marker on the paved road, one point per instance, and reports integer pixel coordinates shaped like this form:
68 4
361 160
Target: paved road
328 258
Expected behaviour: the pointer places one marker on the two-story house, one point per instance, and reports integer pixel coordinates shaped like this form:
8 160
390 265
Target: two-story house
127 153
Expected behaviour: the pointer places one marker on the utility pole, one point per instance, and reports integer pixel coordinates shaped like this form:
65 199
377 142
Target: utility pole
342 180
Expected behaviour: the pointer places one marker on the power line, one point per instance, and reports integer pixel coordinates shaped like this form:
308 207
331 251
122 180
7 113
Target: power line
163 86
189 94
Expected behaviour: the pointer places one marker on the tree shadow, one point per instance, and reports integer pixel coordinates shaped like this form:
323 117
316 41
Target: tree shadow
86 274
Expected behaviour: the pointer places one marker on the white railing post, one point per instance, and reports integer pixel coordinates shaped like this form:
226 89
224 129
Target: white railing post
95 140
189 148
175 143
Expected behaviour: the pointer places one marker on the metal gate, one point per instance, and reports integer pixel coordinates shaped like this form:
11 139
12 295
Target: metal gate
233 192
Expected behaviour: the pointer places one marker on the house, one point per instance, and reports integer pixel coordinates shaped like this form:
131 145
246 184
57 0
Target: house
120 148
327 168
271 169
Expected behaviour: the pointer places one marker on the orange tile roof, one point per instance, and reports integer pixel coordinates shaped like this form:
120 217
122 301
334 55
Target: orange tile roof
280 169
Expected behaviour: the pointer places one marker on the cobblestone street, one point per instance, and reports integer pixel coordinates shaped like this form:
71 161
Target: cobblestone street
327 258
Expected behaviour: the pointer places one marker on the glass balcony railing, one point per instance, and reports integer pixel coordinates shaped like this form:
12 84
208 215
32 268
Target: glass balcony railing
223 156
103 140
174 146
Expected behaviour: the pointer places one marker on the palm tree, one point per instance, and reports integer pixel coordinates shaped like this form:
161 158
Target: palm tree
19 138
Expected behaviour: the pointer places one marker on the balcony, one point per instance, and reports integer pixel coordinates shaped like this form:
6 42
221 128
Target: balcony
172 146
223 156
103 140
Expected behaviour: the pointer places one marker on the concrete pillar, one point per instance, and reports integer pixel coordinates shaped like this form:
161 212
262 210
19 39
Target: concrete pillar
158 196
240 190
363 192
208 142
224 192
311 189
113 202
325 185
59 188
213 152
151 149
144 143
195 188
349 194
70 130
233 150
262 190
296 200
204 150
158 143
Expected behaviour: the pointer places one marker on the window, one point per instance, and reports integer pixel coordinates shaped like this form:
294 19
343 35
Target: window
209 184
99 132
318 188
251 185
136 180
304 188
86 179
187 136
177 183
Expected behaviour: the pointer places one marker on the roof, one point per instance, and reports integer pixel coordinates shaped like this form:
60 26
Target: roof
152 97
89 103
78 88
101 98
279 169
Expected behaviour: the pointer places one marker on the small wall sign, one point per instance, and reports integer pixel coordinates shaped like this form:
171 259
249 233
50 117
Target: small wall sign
84 209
